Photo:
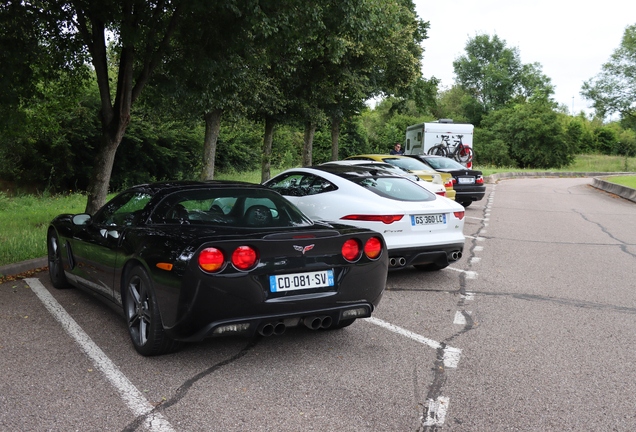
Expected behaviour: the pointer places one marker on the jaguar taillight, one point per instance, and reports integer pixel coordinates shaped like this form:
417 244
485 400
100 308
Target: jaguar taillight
459 215
387 219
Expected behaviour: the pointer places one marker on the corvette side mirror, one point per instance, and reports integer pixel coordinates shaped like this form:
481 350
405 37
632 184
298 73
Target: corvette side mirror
82 219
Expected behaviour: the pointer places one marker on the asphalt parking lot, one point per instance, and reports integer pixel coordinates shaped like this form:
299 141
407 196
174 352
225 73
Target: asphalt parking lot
532 330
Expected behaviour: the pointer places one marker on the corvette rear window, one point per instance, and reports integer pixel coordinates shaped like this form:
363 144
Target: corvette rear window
397 188
240 207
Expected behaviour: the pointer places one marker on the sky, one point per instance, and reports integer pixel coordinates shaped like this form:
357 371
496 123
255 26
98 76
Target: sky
570 39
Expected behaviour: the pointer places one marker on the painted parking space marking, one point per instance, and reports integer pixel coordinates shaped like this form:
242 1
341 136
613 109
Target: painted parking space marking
133 398
451 355
476 238
460 318
473 217
469 274
436 411
469 296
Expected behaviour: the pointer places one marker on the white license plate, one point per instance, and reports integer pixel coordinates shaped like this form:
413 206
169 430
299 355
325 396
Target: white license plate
299 281
433 219
466 180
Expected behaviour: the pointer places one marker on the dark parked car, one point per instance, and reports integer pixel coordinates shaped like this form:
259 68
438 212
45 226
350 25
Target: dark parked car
191 260
468 183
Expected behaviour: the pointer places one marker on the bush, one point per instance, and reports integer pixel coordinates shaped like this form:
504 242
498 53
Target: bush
532 134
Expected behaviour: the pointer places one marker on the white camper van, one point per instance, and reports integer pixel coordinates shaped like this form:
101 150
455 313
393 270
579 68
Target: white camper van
421 137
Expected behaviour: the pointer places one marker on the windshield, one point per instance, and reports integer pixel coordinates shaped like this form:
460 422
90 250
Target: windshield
397 188
239 207
444 163
407 163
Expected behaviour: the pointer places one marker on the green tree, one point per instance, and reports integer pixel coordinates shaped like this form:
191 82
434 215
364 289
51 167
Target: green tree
142 31
613 90
527 133
492 74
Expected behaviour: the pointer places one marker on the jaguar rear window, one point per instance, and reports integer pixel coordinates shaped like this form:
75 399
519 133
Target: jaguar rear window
397 188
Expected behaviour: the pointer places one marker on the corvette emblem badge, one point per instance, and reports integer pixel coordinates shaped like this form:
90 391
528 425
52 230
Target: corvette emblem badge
303 249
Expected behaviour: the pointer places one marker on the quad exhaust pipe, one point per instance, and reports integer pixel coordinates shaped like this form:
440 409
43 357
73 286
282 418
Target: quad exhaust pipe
268 329
316 322
397 262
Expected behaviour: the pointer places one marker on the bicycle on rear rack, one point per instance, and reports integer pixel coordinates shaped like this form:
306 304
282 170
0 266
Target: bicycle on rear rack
460 152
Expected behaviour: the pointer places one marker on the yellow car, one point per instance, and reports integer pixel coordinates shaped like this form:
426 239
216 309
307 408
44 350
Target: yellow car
413 166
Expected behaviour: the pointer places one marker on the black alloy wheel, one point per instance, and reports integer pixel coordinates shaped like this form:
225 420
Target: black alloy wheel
56 267
142 315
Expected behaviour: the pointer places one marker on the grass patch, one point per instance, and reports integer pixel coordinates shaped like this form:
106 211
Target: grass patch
582 163
629 181
247 176
25 219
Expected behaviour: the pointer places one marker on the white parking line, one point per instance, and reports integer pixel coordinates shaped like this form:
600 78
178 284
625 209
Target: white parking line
436 413
469 274
460 319
476 238
451 355
135 400
469 296
472 217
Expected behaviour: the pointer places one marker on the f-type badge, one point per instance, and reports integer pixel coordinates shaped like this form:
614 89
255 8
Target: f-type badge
303 249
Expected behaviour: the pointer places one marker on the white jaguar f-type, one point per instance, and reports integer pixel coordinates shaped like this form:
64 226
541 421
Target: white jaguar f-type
419 227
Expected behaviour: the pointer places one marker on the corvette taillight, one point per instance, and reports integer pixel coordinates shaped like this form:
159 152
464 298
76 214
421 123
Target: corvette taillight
387 219
351 250
459 215
244 257
479 179
373 247
211 260
449 184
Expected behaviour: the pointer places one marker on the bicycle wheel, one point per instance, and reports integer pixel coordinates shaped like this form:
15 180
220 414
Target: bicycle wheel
464 155
438 150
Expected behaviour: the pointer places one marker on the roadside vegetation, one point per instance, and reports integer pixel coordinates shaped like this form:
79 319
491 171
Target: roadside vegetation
24 218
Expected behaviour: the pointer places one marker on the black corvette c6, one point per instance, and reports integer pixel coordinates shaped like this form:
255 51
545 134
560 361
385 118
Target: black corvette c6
191 260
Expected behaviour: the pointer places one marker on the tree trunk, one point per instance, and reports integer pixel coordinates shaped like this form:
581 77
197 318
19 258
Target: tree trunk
267 150
308 142
335 135
103 165
116 117
212 130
